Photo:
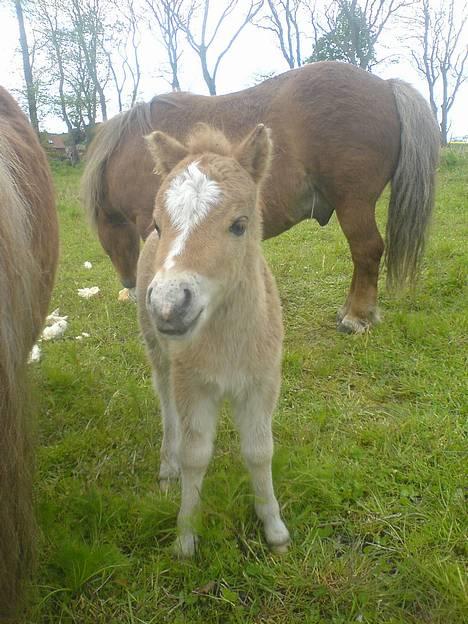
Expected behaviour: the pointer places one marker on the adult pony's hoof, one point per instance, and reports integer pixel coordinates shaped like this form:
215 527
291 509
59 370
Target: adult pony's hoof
347 324
353 326
185 546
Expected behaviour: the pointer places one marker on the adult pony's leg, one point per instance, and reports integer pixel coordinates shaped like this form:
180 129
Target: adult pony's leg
198 427
357 220
253 414
121 242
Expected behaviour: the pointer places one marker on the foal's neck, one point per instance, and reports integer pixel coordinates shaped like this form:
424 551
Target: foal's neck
247 298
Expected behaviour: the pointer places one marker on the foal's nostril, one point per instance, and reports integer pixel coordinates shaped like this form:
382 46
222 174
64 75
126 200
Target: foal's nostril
187 297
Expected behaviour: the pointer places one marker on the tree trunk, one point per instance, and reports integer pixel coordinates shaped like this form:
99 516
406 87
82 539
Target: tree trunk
210 83
175 82
444 126
28 77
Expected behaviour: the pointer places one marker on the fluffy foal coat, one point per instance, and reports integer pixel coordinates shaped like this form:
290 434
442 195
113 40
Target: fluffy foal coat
211 315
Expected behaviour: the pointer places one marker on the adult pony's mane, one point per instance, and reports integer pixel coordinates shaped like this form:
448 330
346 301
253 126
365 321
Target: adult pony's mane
108 137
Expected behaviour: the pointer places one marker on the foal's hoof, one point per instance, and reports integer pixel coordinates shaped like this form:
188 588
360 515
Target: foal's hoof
277 536
280 549
185 546
165 485
168 475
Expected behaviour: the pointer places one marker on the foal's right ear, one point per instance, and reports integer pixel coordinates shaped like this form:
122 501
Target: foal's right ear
255 152
166 151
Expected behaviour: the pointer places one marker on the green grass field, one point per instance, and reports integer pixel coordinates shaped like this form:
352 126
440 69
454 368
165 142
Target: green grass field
370 458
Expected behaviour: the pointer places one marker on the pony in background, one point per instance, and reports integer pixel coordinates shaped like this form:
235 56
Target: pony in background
340 136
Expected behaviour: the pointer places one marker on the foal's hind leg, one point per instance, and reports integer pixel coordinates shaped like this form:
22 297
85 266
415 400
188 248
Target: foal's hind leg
357 220
253 418
121 242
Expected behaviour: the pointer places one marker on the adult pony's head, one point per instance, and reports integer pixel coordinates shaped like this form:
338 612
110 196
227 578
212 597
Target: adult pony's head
208 223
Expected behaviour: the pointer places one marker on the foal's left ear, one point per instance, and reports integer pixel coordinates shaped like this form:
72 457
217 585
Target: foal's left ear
166 151
255 152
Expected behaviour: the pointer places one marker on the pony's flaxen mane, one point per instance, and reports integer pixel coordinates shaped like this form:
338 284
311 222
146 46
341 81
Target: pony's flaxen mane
106 141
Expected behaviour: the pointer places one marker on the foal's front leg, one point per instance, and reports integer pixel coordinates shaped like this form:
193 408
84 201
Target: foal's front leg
253 417
169 463
198 429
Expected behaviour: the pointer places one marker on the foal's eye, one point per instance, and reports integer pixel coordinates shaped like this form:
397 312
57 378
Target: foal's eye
238 227
156 227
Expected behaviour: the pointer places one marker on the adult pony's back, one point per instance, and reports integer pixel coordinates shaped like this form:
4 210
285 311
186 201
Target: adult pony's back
28 257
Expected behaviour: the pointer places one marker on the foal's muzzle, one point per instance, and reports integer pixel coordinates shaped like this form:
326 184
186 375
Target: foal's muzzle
173 305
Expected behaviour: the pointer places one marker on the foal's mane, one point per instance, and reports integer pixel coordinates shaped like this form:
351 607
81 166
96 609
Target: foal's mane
205 138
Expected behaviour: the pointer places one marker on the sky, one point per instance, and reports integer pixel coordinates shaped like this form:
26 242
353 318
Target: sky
254 53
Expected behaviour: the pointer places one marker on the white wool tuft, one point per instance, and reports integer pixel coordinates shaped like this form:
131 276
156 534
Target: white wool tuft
35 354
56 330
87 293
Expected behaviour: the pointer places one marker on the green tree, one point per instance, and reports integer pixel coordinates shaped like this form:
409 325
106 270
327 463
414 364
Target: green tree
350 39
350 29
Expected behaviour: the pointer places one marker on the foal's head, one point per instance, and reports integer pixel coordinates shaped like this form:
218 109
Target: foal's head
208 222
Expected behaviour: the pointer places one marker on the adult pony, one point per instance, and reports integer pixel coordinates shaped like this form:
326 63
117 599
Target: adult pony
28 257
210 314
340 135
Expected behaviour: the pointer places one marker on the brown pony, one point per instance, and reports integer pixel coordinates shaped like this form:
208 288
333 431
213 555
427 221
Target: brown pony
28 257
340 135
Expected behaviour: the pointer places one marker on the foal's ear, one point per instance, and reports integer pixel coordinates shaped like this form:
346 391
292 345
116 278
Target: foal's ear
255 152
166 151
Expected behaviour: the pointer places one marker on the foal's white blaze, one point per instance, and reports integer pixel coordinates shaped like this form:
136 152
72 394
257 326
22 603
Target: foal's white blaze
189 199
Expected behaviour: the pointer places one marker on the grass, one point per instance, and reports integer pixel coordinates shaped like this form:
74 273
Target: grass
369 465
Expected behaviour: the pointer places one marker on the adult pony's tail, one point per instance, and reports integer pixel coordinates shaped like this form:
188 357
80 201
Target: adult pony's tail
106 141
18 269
413 183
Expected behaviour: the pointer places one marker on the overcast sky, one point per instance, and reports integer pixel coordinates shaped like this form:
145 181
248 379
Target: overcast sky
255 52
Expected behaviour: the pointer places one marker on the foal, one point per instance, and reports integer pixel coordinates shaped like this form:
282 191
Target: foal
211 315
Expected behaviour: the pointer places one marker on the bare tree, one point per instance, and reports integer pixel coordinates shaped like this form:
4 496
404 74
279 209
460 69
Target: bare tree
202 43
27 68
283 18
64 66
87 17
350 29
167 15
441 55
121 35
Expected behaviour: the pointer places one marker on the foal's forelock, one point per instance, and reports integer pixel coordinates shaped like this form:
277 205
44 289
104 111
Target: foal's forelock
188 201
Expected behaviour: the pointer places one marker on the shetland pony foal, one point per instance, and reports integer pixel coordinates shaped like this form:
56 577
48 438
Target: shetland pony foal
210 314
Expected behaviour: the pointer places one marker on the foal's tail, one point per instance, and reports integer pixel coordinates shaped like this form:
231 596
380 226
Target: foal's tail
17 271
104 144
413 183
